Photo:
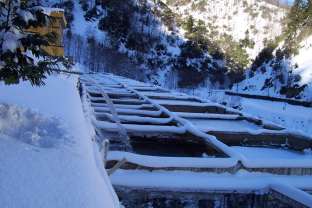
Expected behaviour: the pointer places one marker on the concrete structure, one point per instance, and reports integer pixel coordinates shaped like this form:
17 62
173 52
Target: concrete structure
175 150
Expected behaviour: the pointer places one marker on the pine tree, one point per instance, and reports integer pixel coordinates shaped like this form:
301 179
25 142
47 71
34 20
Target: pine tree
21 54
295 16
299 25
189 25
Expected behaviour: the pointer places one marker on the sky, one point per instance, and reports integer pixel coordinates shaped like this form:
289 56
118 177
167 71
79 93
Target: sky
289 1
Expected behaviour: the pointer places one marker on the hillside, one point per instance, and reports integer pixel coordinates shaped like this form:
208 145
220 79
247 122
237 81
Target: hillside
250 22
182 44
287 77
168 46
283 68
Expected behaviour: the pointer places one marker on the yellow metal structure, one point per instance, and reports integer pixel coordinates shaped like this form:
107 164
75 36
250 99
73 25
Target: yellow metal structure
56 25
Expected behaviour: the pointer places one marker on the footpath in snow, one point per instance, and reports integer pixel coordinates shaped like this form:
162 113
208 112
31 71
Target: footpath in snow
47 155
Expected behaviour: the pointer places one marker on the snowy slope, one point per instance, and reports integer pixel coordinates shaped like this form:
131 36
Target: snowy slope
46 153
299 64
262 20
85 28
156 55
304 62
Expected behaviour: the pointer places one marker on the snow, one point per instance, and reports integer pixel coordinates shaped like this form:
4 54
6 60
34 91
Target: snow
237 158
130 111
11 42
144 119
185 124
291 192
255 157
242 181
269 153
26 15
121 106
49 10
47 156
224 125
171 162
85 28
260 19
30 127
249 157
296 118
304 61
299 64
292 117
208 116
139 128
252 157
179 102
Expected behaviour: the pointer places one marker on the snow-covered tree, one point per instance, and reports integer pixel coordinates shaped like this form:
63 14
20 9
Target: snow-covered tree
21 53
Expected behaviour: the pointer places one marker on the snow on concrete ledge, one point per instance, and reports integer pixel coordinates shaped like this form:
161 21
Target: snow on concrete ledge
56 164
172 162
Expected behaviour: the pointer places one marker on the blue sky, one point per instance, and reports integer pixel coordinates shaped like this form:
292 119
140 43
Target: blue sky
290 1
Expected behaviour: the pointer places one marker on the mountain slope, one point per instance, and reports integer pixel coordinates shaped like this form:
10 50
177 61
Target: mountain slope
253 20
287 77
283 68
185 44
169 47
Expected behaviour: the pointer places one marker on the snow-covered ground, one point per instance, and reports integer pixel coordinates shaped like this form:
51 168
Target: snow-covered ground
47 155
293 117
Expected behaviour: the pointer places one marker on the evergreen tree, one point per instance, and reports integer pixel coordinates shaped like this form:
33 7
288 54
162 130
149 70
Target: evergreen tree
200 32
21 54
299 24
295 16
189 25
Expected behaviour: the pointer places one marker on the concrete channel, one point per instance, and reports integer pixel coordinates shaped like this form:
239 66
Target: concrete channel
158 138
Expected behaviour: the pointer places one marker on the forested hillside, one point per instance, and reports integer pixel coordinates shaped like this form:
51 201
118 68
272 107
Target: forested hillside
245 25
283 68
186 44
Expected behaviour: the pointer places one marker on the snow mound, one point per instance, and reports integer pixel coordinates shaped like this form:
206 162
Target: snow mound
30 127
